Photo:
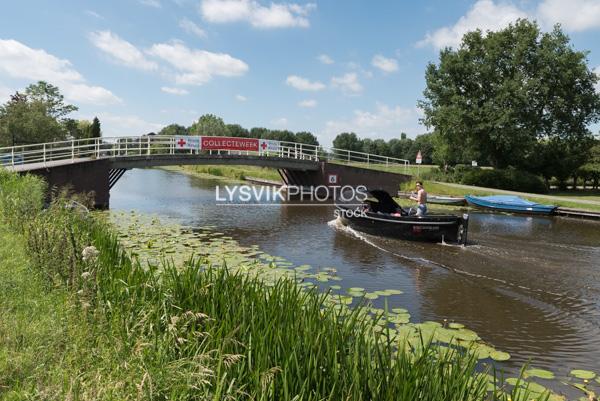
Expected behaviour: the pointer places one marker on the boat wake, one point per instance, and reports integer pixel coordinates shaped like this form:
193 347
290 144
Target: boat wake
337 225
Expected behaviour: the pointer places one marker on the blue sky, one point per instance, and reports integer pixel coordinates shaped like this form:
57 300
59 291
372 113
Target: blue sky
323 66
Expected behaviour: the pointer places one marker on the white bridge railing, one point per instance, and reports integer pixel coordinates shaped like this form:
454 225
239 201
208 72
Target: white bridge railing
148 145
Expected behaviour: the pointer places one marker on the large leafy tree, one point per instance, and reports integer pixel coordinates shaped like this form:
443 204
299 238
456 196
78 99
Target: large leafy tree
348 141
501 94
95 130
209 125
174 129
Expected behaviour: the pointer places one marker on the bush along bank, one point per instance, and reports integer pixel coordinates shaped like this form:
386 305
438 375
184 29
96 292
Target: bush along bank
195 330
508 179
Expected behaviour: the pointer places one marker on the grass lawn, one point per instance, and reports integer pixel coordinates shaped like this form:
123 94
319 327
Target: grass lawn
237 173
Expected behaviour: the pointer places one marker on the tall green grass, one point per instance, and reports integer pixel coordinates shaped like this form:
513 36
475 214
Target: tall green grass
196 331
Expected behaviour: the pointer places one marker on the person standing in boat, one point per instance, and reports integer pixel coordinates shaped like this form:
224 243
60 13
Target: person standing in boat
421 198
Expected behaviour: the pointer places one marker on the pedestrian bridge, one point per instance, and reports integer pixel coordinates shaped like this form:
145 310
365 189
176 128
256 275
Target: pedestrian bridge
97 164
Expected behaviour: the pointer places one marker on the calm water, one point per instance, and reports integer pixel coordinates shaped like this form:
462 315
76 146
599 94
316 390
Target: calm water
528 285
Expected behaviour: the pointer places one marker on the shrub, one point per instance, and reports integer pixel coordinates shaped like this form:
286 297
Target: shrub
509 179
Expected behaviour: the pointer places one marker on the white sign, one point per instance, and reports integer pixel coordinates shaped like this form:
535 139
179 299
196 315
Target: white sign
474 163
419 158
268 145
332 179
187 142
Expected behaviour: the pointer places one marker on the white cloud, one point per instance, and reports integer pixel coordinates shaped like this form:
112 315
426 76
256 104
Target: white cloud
5 94
385 122
308 103
276 15
126 125
348 83
384 64
22 62
573 15
197 67
191 28
150 3
280 122
93 14
174 91
485 15
303 84
240 98
121 51
325 59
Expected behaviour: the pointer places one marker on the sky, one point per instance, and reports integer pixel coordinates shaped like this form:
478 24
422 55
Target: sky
322 66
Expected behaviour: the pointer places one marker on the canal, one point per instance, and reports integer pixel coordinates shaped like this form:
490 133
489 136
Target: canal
530 286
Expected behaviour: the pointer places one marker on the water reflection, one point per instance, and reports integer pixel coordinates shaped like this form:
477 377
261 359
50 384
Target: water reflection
528 285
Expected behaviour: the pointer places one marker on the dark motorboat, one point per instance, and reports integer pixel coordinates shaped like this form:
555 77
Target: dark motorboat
383 216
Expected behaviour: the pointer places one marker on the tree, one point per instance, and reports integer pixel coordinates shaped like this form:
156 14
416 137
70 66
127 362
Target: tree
237 130
95 130
500 94
209 125
424 144
348 141
306 137
24 122
174 129
50 96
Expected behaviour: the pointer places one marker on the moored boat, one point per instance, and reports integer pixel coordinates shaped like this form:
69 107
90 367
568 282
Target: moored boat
439 199
384 217
509 203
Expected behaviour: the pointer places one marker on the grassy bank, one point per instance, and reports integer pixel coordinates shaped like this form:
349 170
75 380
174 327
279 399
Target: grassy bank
237 173
564 199
88 322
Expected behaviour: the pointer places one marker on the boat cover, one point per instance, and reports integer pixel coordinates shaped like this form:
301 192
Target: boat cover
385 203
507 200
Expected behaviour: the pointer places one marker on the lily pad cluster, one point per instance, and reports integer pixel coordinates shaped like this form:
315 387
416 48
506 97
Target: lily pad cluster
153 240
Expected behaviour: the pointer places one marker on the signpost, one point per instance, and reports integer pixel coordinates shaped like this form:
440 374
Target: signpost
419 160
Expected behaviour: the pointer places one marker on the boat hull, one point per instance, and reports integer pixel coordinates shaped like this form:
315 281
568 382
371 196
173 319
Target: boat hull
432 228
536 209
439 200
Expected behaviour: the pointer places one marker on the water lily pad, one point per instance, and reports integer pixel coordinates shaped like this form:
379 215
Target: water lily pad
583 374
499 356
399 310
394 292
456 325
356 289
541 373
335 287
371 296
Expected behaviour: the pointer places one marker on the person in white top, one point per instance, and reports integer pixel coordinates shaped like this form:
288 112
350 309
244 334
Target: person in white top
421 199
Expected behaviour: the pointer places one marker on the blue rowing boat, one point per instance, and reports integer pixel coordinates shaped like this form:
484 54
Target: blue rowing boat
509 203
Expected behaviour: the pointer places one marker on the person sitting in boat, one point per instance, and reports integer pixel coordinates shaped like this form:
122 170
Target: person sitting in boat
421 199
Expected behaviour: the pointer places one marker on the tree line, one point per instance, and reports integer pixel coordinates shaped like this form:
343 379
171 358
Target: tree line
40 114
209 124
403 148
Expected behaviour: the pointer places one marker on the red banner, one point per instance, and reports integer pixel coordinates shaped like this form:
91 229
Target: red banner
228 143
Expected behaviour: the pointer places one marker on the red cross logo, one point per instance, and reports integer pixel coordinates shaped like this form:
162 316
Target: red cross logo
263 145
181 142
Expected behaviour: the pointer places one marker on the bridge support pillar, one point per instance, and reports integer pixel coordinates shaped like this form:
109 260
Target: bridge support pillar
85 177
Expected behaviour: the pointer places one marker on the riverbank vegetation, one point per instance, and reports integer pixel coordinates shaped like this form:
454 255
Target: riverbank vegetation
89 322
240 173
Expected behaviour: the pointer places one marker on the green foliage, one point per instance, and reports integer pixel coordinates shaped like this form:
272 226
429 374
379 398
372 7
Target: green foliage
38 115
50 96
348 141
95 130
500 93
510 179
174 129
209 124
